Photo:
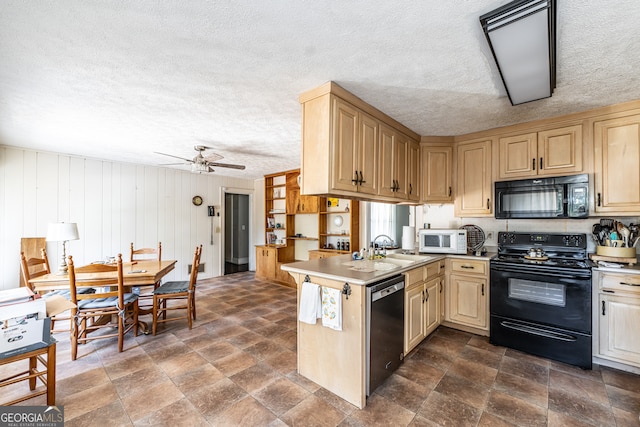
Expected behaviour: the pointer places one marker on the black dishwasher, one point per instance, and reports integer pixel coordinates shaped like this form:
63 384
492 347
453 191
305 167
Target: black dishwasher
384 329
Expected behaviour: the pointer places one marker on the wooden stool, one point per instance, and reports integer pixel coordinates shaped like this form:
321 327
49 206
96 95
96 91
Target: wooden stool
48 376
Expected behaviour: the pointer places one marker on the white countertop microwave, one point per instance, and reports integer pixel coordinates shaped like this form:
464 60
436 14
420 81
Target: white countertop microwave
442 241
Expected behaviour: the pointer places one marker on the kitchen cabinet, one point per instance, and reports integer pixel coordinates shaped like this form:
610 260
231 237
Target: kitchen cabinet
474 179
467 293
266 260
617 164
413 171
616 317
423 287
549 152
436 186
341 143
394 149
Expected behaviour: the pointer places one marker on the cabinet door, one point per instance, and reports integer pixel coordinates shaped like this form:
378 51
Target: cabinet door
617 164
618 323
266 262
367 160
432 305
308 204
345 146
560 151
414 329
413 172
400 166
387 146
467 301
436 173
474 186
518 156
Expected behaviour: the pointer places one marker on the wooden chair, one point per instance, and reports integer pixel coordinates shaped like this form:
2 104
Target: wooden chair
96 311
181 290
145 253
36 267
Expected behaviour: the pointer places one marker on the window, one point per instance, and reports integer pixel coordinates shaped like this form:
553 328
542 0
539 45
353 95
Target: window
387 219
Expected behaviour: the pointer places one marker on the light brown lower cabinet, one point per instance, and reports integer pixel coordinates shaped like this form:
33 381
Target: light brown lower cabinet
467 294
268 263
616 317
423 292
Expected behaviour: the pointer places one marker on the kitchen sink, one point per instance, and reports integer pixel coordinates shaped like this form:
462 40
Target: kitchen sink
378 264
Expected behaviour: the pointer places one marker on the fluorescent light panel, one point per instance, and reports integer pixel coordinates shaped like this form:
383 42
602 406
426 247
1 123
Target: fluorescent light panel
521 35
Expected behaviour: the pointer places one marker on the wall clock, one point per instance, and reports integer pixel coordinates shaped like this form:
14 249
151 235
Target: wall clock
197 200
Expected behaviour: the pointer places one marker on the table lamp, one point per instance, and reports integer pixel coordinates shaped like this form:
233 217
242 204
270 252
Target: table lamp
62 232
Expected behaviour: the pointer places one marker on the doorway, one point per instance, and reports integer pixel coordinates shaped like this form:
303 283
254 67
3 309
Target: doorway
236 233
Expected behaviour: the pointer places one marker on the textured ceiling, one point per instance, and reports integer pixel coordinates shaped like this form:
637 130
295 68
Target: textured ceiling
119 80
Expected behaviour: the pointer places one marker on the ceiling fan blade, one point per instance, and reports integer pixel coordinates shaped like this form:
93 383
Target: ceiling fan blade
177 157
171 164
226 165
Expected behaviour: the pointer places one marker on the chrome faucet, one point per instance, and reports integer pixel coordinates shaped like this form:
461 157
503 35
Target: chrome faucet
387 242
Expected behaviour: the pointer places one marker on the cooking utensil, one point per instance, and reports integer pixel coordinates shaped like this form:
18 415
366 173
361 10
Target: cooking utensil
624 233
607 222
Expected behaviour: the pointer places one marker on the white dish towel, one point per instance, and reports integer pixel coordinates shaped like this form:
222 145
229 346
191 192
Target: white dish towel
332 308
310 303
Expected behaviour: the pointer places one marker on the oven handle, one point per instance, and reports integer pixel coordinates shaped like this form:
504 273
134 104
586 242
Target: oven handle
538 273
538 331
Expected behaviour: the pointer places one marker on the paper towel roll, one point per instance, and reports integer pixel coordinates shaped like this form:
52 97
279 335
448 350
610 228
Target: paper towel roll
408 238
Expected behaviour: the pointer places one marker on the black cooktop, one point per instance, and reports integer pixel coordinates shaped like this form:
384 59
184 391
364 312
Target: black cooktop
558 250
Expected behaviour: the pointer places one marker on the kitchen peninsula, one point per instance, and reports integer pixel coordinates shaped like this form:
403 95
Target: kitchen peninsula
334 359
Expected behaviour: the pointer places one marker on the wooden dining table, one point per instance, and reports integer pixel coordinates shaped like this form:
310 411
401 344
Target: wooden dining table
136 273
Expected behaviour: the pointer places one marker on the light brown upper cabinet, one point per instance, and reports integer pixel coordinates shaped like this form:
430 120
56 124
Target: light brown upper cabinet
474 179
550 152
394 148
436 183
350 149
413 171
617 164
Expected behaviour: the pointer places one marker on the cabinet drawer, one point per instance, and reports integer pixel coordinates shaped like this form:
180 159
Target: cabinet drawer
620 282
414 276
468 266
434 269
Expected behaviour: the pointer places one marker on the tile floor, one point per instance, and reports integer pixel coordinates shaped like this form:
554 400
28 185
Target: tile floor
237 367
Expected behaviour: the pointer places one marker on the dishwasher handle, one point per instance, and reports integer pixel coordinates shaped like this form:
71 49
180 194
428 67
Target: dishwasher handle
382 293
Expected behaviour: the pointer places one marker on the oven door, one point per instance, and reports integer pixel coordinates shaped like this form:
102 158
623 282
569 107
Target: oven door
554 298
540 201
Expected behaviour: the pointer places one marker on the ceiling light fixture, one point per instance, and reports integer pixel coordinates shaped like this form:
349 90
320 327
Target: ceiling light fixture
522 37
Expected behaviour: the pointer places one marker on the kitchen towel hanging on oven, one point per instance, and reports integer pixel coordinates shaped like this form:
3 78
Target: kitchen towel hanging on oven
332 308
310 303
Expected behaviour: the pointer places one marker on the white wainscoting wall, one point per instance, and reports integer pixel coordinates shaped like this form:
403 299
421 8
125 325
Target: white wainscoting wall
113 204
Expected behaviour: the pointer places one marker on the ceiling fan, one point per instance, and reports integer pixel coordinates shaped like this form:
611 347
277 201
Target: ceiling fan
203 164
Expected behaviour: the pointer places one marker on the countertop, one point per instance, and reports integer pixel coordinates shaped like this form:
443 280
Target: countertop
334 268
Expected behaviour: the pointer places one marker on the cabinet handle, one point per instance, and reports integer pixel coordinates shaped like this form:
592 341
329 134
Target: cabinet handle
467 266
423 297
410 188
440 286
449 191
541 164
608 291
603 308
599 199
630 284
362 181
355 181
488 203
427 294
483 289
533 164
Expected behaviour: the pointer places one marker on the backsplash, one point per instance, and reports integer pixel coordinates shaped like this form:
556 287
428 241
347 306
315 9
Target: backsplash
442 216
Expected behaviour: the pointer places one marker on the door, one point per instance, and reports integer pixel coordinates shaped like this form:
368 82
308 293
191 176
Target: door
414 327
236 233
432 305
436 173
413 171
617 164
473 195
619 317
345 146
467 300
518 156
560 151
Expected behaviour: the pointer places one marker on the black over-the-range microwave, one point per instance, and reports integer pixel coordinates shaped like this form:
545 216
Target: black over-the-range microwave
558 197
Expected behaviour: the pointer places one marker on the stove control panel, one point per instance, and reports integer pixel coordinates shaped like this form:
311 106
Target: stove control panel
542 239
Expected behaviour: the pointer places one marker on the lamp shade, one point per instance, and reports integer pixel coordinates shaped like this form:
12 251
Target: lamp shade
521 35
62 231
